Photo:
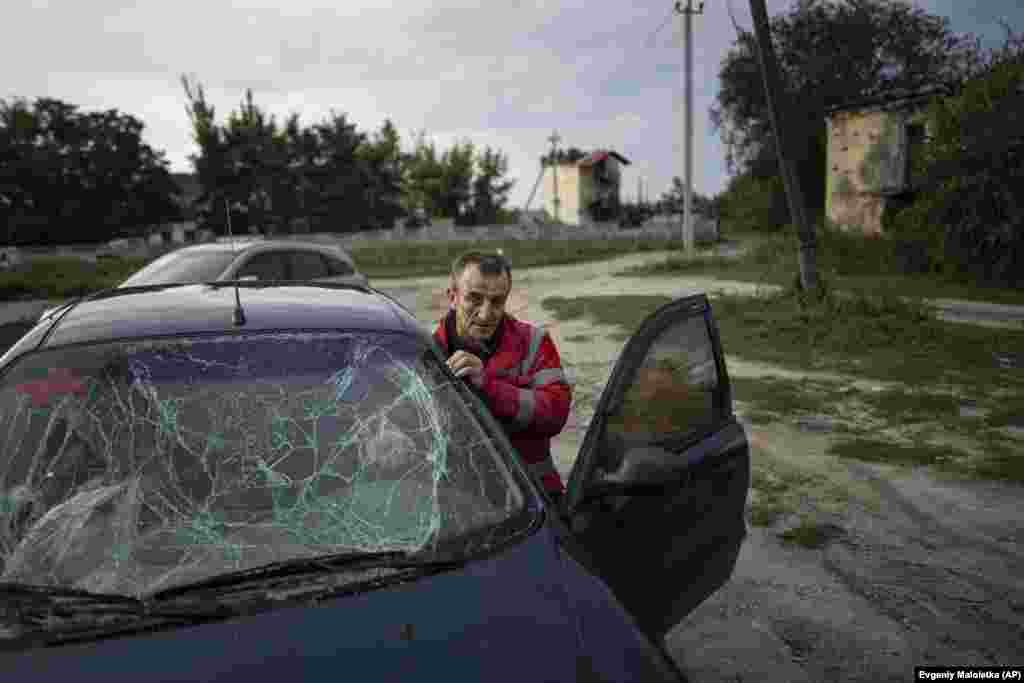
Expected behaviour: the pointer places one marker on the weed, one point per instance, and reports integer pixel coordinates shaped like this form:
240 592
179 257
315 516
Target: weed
811 534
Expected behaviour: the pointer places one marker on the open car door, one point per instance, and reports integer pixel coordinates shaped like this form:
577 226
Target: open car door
657 494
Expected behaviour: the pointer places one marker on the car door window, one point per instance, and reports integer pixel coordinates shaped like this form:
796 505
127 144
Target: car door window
338 267
673 393
268 265
307 265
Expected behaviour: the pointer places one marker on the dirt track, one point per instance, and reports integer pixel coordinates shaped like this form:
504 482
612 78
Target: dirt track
918 570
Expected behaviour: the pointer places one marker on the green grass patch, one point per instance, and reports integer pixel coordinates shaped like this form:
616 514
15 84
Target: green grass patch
777 489
913 405
63 277
781 396
846 260
627 311
811 534
873 337
889 453
415 259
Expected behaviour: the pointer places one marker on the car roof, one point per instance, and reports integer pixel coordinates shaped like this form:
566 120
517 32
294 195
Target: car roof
209 308
264 245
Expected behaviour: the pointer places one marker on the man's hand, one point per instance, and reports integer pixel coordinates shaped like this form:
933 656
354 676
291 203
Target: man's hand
468 367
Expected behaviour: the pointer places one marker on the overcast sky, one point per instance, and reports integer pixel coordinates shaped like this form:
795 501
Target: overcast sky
503 73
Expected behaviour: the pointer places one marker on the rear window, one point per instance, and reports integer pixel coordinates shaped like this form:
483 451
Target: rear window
132 467
182 266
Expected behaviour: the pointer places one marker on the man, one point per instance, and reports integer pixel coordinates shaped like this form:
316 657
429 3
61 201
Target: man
513 365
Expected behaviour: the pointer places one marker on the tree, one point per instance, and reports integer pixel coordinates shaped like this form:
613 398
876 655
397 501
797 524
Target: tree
72 176
673 200
457 181
970 208
490 187
382 159
830 52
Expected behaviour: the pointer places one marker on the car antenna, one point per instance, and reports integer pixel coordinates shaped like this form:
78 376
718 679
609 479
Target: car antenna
239 318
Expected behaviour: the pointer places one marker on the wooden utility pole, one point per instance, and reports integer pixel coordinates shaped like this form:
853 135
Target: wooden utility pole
790 177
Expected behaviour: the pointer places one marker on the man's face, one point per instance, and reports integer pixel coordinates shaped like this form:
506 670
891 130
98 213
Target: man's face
479 303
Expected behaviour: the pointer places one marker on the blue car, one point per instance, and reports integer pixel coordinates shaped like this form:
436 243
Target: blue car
243 481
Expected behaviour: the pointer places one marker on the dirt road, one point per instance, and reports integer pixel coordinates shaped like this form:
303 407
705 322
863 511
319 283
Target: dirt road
917 571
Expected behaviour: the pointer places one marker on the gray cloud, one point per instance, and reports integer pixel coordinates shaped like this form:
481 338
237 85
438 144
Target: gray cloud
501 73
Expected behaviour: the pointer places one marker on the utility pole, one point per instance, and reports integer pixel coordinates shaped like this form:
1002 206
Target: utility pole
790 177
554 140
688 11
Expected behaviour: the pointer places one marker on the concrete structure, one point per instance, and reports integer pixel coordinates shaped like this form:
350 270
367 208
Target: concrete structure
587 189
871 146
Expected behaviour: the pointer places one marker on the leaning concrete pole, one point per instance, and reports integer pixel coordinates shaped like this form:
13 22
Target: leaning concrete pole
794 192
688 11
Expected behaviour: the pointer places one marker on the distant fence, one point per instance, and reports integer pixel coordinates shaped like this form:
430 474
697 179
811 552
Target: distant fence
440 230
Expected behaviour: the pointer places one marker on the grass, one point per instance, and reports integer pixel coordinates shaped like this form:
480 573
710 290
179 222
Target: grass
846 261
414 259
65 277
872 337
810 533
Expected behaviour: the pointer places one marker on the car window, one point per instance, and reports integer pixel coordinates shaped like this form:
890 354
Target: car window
132 467
338 267
266 265
674 391
307 265
182 266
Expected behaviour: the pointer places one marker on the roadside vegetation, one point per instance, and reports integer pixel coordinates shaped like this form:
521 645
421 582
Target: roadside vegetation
65 277
878 380
848 262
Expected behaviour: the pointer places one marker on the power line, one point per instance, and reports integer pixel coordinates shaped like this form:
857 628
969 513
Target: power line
651 37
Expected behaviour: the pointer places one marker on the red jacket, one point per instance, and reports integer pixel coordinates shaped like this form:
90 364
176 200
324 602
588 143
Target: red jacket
525 389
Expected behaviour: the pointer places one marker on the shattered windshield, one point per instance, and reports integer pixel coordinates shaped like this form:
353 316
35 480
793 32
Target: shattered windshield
133 467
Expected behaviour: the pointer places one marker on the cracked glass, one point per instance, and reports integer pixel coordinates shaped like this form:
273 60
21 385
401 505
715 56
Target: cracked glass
133 467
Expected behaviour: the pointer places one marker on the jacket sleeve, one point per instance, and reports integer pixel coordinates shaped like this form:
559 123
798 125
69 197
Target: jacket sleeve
536 404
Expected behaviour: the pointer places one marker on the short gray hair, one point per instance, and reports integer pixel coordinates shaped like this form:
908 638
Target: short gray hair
489 263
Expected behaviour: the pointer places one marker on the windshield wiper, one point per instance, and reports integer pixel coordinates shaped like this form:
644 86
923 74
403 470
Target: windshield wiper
321 564
34 603
31 595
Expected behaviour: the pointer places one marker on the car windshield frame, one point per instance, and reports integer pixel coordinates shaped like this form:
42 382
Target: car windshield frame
510 525
168 268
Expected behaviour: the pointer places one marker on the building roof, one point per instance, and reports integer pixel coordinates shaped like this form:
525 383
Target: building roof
895 99
602 154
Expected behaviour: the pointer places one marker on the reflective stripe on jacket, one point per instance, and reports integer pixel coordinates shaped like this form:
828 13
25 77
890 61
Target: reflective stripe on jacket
526 391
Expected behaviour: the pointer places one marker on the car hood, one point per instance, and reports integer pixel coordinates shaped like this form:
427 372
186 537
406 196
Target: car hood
502 618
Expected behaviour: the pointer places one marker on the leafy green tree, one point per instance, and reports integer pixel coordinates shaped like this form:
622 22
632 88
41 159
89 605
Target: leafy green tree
457 165
829 52
424 176
971 209
490 187
753 203
72 176
382 161
675 198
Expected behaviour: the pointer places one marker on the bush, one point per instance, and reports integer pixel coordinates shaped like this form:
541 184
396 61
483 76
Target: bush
754 204
61 277
972 215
